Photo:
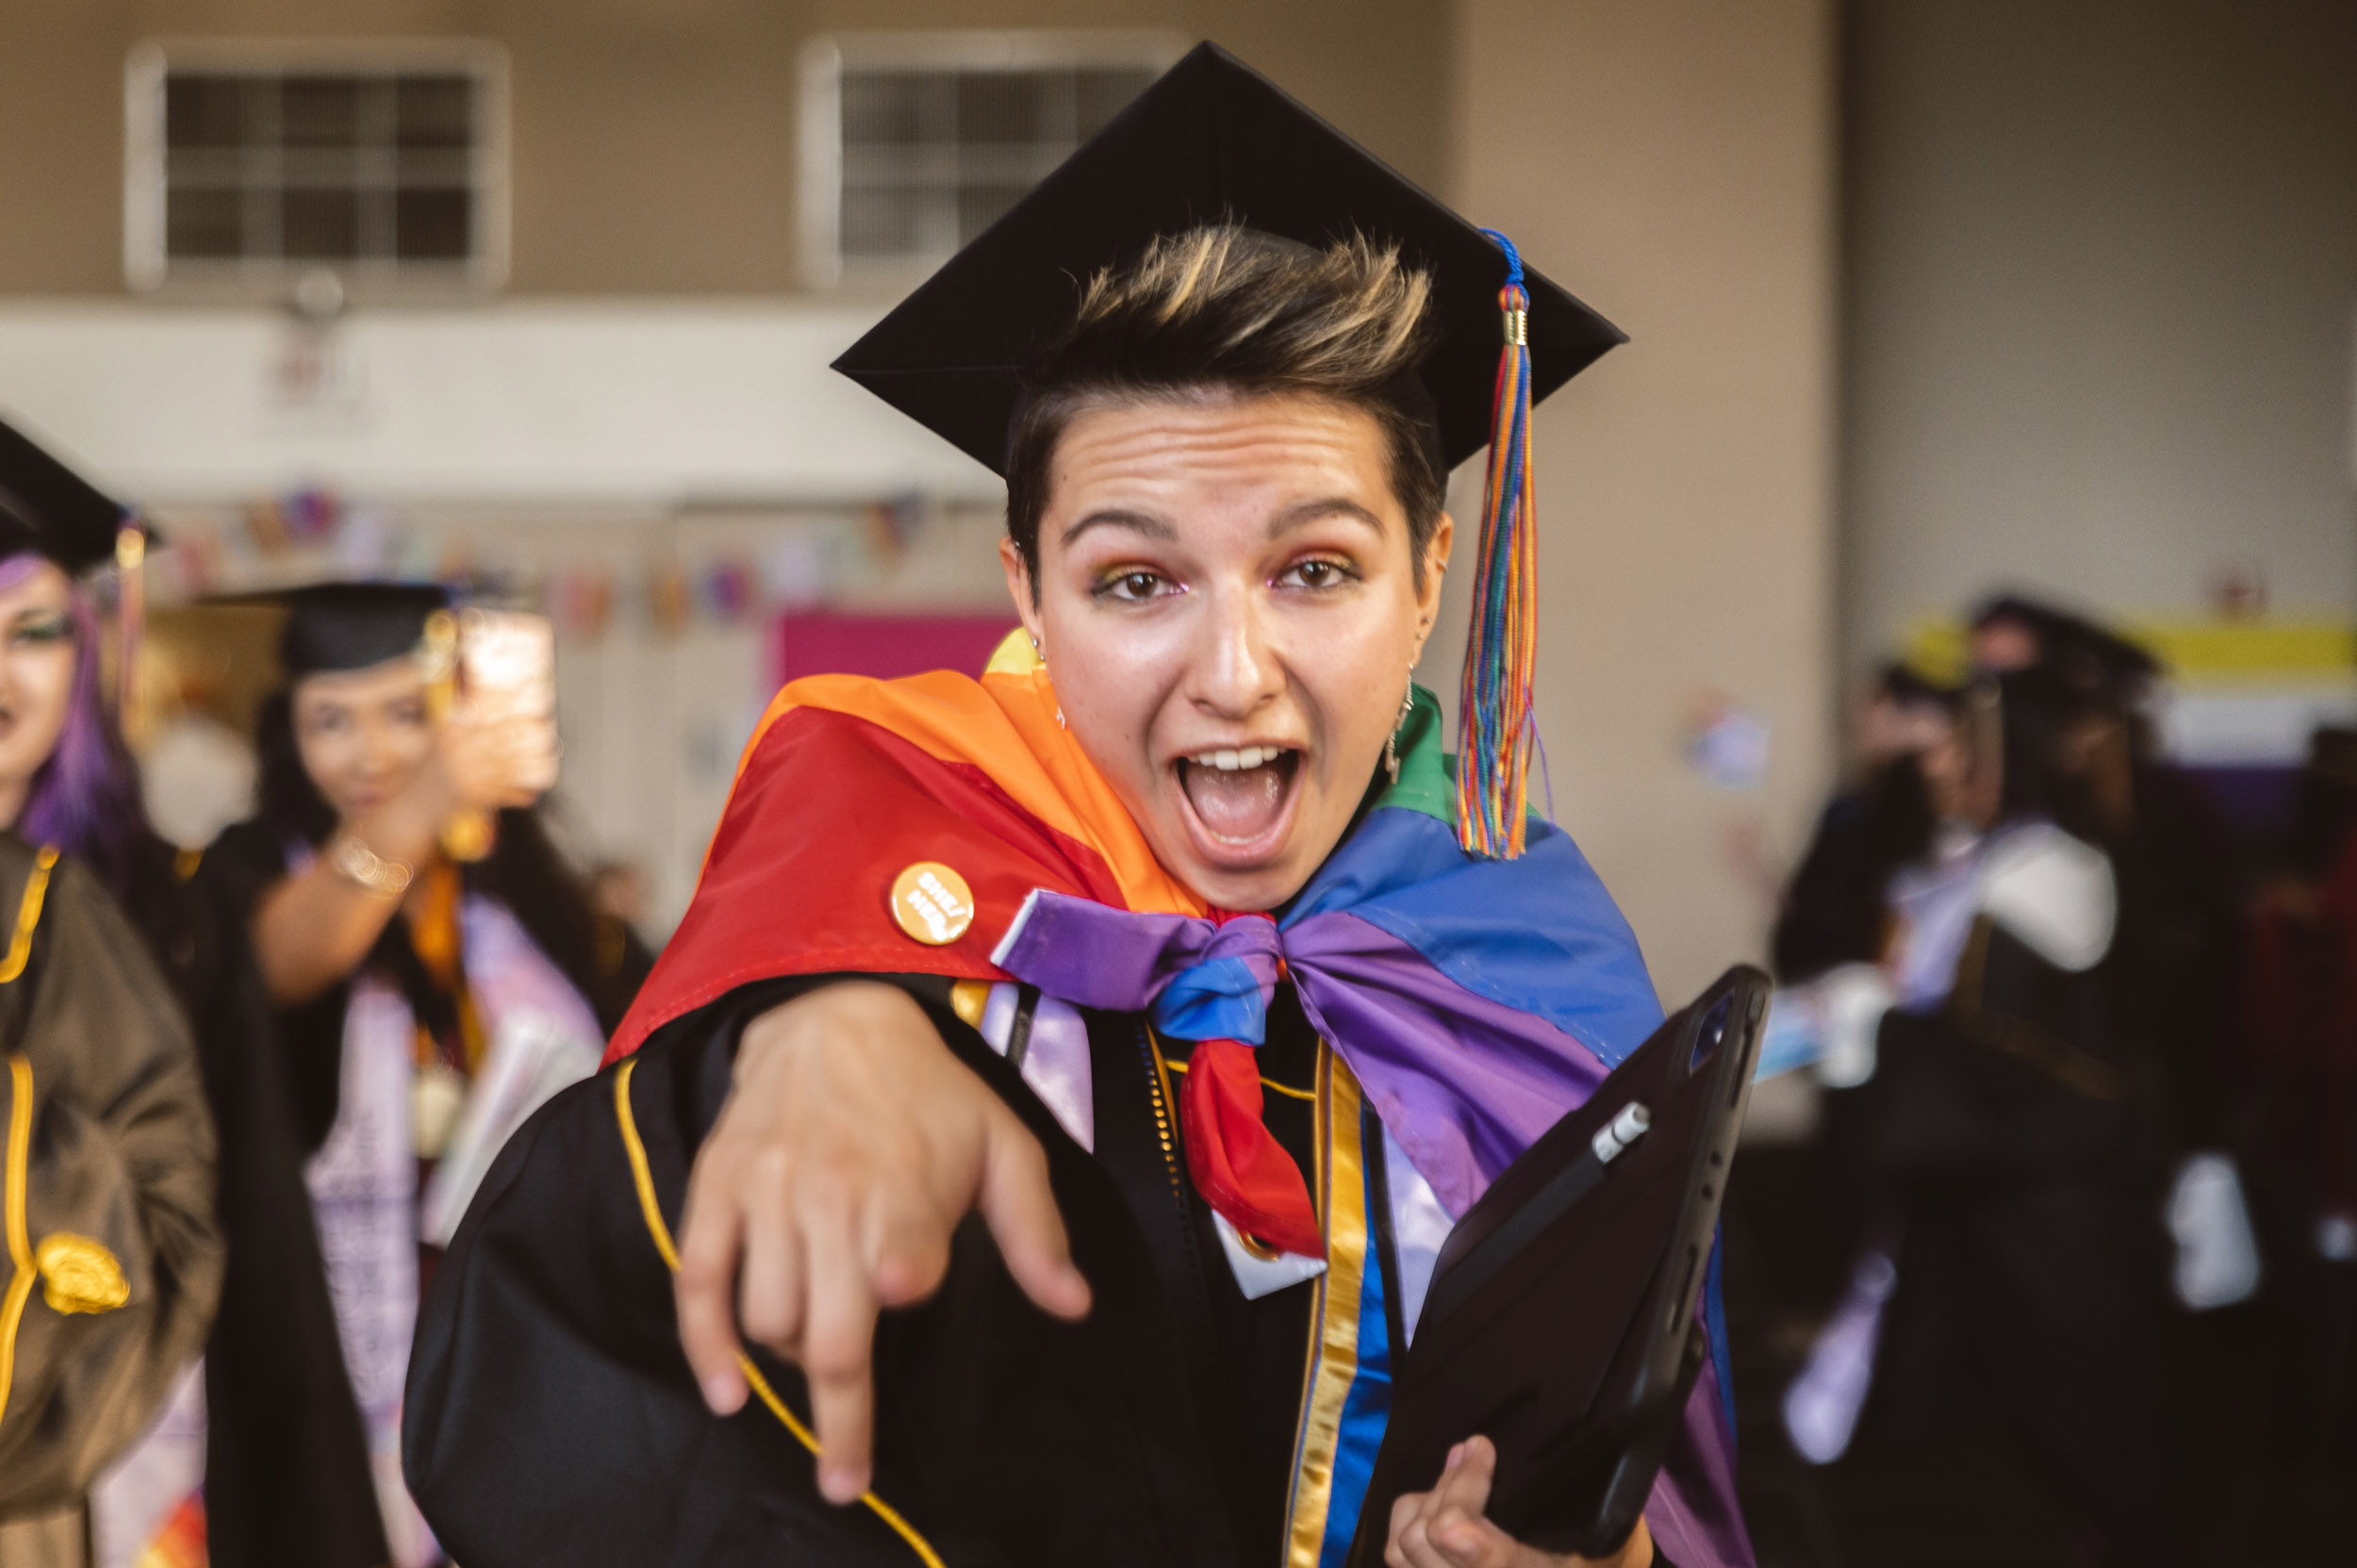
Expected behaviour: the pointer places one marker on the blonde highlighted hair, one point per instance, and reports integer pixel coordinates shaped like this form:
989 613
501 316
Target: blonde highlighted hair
1224 309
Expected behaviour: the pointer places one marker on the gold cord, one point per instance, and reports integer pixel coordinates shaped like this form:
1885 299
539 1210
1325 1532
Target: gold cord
644 1179
1266 1082
14 1176
86 1276
29 914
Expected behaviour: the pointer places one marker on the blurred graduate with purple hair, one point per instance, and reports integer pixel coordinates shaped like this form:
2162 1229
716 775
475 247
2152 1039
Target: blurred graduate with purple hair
170 1388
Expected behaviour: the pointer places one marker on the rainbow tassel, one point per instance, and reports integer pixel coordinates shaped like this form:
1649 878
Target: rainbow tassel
1495 727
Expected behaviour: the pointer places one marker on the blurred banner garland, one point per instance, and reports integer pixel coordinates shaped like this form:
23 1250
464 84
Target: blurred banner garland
804 563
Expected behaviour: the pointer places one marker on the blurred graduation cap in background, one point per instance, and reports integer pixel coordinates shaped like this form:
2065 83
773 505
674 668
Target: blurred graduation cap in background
2096 662
337 626
46 506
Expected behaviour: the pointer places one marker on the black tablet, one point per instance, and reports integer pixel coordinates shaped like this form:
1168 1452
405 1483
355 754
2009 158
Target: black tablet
1561 1321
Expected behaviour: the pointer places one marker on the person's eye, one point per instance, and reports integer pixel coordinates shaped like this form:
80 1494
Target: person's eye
409 713
41 632
1317 573
1135 586
328 722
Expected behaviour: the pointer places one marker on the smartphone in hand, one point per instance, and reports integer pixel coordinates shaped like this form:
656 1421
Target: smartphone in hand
507 674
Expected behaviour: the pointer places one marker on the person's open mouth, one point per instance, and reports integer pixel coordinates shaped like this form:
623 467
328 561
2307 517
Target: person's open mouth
1242 798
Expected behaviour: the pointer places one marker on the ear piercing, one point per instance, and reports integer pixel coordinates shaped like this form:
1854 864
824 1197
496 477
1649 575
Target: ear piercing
1391 742
1042 654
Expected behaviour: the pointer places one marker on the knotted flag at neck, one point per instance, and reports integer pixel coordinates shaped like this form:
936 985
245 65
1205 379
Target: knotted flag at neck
1205 980
1476 1001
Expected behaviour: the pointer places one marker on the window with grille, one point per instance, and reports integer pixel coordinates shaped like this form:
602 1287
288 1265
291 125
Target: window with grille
250 170
915 143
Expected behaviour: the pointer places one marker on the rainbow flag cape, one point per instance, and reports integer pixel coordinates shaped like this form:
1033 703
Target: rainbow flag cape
1530 971
1473 1001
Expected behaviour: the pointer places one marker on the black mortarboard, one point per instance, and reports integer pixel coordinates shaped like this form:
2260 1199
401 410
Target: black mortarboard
2095 659
1213 141
333 626
46 506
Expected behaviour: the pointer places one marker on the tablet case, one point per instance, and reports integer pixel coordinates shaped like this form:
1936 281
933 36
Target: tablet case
1561 1321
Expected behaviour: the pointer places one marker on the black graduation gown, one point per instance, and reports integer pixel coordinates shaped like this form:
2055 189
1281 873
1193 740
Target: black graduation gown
1159 1430
2016 1134
2180 989
287 1476
1834 911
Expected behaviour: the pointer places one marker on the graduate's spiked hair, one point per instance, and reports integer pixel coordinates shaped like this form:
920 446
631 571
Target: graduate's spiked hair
1227 311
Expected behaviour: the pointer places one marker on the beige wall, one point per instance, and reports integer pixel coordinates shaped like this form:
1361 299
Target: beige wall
1670 160
653 141
2101 257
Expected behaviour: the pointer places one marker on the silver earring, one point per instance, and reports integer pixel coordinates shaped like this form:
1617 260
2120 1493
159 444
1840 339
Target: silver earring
1043 664
1391 742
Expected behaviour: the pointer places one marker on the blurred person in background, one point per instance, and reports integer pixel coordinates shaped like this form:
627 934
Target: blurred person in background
1981 1087
1834 911
2179 970
114 1251
2300 1146
1795 1220
424 1003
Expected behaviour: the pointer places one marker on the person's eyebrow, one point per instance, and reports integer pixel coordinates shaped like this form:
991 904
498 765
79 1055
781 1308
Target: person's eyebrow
1114 517
1325 506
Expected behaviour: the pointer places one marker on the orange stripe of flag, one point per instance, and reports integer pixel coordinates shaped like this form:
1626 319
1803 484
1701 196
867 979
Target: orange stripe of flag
1005 724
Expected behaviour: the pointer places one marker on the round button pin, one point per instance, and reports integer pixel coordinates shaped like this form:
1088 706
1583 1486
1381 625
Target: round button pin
932 903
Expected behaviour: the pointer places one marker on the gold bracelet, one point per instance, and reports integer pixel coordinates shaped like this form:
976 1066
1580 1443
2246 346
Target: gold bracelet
379 874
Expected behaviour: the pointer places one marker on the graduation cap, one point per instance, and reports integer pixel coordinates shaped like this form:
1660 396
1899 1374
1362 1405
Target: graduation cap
46 506
1214 141
1211 141
334 626
2098 661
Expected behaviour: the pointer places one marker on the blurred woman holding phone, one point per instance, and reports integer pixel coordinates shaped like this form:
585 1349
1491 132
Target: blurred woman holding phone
437 968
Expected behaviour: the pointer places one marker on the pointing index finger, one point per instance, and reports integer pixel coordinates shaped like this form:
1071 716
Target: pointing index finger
702 1290
838 1350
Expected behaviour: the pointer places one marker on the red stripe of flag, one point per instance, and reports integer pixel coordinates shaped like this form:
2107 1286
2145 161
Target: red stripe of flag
828 810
